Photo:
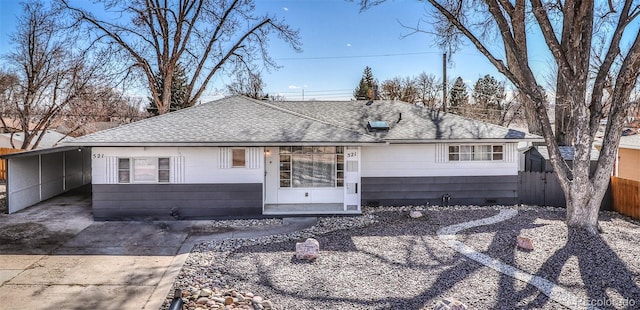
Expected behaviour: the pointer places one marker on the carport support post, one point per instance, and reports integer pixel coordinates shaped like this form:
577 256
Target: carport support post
64 172
7 186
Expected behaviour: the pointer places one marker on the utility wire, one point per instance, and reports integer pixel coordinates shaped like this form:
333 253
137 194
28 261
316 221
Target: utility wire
357 56
368 56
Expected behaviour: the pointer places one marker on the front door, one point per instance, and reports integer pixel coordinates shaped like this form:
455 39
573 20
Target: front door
352 178
304 175
271 175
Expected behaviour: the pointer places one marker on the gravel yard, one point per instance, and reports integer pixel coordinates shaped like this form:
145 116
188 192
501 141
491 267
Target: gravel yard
386 260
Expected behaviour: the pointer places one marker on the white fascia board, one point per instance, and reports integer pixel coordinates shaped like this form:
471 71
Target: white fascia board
462 141
231 144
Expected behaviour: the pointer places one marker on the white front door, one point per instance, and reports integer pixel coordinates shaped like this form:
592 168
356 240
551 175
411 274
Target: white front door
271 175
288 168
352 178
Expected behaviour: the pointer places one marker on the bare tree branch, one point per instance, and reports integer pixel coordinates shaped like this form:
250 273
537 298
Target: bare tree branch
206 36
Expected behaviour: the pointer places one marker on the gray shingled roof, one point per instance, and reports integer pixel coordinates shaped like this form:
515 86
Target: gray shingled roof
567 152
49 139
230 121
243 121
407 122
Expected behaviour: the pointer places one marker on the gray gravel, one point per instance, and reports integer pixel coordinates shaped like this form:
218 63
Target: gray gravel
385 260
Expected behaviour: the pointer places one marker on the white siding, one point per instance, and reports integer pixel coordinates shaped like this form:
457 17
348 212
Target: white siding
424 160
36 177
254 157
191 165
176 173
110 169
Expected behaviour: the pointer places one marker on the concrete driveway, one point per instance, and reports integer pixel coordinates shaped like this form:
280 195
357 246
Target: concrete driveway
53 256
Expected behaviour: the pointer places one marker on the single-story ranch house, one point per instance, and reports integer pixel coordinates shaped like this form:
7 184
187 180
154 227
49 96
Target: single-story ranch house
239 157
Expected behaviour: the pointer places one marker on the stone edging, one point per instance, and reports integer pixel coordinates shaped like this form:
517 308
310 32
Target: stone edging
557 293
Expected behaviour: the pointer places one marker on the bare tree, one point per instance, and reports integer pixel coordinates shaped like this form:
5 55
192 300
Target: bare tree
205 35
99 108
9 85
567 28
48 69
248 84
276 97
398 88
512 109
424 88
429 88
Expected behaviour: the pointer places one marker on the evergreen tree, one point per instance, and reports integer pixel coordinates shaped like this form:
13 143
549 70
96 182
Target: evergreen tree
488 95
367 87
179 85
458 97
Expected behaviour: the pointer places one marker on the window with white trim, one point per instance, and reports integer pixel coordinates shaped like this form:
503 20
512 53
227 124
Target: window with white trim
124 170
164 170
144 170
238 158
311 166
477 152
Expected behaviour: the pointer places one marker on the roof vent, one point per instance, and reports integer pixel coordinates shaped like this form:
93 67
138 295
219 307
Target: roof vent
375 126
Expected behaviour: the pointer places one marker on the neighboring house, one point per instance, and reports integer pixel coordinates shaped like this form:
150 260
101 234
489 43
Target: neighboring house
239 157
10 124
628 163
49 139
86 128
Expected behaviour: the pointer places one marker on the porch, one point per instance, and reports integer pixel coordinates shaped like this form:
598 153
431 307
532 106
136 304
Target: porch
310 209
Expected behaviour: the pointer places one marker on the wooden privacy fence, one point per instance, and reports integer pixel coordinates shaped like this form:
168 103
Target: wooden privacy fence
626 197
543 189
540 188
3 162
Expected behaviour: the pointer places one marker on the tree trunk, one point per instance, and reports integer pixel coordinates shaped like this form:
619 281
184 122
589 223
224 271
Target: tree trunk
533 123
583 206
564 124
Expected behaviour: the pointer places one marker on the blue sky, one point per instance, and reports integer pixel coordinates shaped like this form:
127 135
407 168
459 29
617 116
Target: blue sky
338 41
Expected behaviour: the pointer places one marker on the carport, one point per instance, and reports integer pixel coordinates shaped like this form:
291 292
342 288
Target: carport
38 175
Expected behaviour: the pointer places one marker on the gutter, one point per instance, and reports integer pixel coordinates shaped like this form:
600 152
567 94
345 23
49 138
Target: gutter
219 144
41 151
432 141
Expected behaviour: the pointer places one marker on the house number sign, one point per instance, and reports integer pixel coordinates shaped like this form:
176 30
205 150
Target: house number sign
352 154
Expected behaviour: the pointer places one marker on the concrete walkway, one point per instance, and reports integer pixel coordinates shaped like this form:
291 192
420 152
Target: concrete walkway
53 256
